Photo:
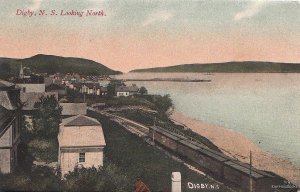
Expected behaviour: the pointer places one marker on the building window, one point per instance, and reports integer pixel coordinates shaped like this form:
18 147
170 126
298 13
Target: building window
81 157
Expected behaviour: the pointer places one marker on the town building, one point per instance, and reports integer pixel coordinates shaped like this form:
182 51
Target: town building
60 89
22 73
71 109
103 91
10 126
33 83
52 80
32 87
81 143
127 91
30 99
75 86
70 79
91 88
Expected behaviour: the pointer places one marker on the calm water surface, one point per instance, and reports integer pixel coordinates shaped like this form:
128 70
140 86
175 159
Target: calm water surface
263 107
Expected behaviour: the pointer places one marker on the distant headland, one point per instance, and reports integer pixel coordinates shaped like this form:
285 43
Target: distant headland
228 67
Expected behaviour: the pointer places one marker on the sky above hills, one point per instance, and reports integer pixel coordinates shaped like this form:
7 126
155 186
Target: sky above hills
142 34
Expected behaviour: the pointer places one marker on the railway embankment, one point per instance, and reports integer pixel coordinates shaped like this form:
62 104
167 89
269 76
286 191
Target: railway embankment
177 136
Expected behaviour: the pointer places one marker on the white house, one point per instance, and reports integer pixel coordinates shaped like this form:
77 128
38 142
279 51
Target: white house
81 143
91 88
126 90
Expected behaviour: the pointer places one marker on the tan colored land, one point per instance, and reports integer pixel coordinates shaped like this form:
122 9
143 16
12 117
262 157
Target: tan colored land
238 146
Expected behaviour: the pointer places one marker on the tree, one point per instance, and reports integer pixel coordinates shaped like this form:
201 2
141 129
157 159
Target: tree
162 103
37 179
47 117
5 70
143 91
106 178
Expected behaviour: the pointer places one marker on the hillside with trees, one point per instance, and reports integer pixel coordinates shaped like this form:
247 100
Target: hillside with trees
229 67
52 64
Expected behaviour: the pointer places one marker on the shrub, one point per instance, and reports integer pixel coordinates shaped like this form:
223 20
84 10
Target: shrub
106 178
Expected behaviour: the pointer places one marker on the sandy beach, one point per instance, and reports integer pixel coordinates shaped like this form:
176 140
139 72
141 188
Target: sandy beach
238 146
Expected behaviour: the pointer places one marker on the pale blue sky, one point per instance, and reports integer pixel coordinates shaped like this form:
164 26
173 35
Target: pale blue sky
254 24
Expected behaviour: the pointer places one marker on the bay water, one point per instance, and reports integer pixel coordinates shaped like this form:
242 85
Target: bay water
264 107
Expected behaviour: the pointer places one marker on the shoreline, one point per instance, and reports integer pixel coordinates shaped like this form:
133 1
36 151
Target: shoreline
170 80
238 147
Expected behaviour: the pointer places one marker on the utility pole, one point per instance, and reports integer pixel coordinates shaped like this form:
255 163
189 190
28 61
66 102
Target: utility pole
250 181
84 91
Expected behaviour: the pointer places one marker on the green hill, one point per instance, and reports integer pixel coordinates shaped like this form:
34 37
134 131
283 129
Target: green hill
229 67
51 64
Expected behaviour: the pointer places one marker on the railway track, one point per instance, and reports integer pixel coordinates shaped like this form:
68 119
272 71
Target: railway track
132 126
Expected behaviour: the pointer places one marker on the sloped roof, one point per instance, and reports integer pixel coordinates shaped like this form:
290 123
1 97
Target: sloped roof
73 108
31 98
54 86
5 101
77 85
80 131
127 89
80 120
5 84
5 117
92 85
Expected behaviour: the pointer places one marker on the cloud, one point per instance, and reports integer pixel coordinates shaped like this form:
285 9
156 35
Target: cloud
35 4
158 16
253 8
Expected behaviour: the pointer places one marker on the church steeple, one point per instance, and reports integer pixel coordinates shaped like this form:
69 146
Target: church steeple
21 74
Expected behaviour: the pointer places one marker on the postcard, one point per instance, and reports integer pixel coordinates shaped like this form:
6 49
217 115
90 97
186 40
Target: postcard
147 96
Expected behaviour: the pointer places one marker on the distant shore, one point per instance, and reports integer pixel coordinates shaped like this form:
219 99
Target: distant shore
238 146
174 80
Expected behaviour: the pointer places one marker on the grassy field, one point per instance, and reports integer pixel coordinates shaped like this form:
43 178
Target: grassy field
141 160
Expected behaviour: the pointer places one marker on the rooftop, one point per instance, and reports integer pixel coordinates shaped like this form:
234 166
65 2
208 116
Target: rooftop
92 85
5 117
5 84
31 98
5 101
80 131
73 108
80 120
7 96
127 89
